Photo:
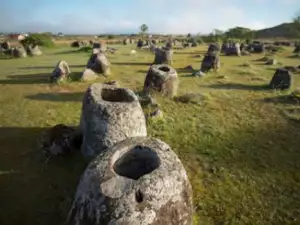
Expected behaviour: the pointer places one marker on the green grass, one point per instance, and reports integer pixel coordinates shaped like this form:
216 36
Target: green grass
240 146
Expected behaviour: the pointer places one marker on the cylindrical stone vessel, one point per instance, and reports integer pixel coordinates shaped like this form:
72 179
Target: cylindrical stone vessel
139 181
109 115
162 78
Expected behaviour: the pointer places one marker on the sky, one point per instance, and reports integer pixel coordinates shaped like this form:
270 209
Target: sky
126 16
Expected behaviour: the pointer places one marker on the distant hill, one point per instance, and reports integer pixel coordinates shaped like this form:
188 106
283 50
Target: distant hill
285 30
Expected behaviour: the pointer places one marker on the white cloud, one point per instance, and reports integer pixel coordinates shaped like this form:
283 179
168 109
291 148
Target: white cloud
162 16
191 20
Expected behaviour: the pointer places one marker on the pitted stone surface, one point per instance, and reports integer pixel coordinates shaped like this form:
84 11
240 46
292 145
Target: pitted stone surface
60 71
99 63
163 56
162 78
139 181
109 115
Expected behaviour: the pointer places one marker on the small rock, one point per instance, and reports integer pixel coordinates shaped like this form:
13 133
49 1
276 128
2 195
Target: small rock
245 53
112 82
199 73
271 62
194 98
189 67
156 114
88 75
222 77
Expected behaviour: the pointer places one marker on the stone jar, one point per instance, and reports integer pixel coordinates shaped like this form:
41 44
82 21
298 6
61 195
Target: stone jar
139 181
109 115
162 78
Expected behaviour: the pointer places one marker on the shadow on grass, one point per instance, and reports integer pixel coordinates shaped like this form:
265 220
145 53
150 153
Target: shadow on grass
49 67
237 86
28 183
183 70
39 78
142 71
190 53
132 63
86 49
284 99
295 56
58 97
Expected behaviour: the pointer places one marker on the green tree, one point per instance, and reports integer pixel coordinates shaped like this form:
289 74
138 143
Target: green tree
42 39
239 33
296 25
144 29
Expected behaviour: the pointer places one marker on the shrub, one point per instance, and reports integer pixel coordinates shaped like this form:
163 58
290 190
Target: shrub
44 39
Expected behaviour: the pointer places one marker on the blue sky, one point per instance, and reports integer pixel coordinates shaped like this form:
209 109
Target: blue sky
162 16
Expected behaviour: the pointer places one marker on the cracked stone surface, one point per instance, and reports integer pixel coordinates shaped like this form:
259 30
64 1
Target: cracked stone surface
139 181
109 115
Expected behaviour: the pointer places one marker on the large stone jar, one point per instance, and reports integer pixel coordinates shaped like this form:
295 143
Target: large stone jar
109 115
139 181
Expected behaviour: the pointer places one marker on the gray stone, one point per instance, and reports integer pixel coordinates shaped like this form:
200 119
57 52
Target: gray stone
245 53
282 79
163 56
224 47
126 41
271 62
233 49
61 71
157 113
60 140
109 115
99 64
210 61
140 43
215 48
256 47
139 181
102 47
112 82
88 75
19 52
199 73
33 50
169 45
6 45
162 78
194 98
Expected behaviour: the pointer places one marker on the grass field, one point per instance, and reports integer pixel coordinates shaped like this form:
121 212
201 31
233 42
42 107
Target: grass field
240 147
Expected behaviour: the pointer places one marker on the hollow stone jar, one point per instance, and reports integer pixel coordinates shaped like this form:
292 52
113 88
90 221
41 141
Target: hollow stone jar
139 181
109 115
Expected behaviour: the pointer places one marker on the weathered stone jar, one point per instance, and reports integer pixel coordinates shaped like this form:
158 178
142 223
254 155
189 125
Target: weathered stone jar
109 115
139 181
162 78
